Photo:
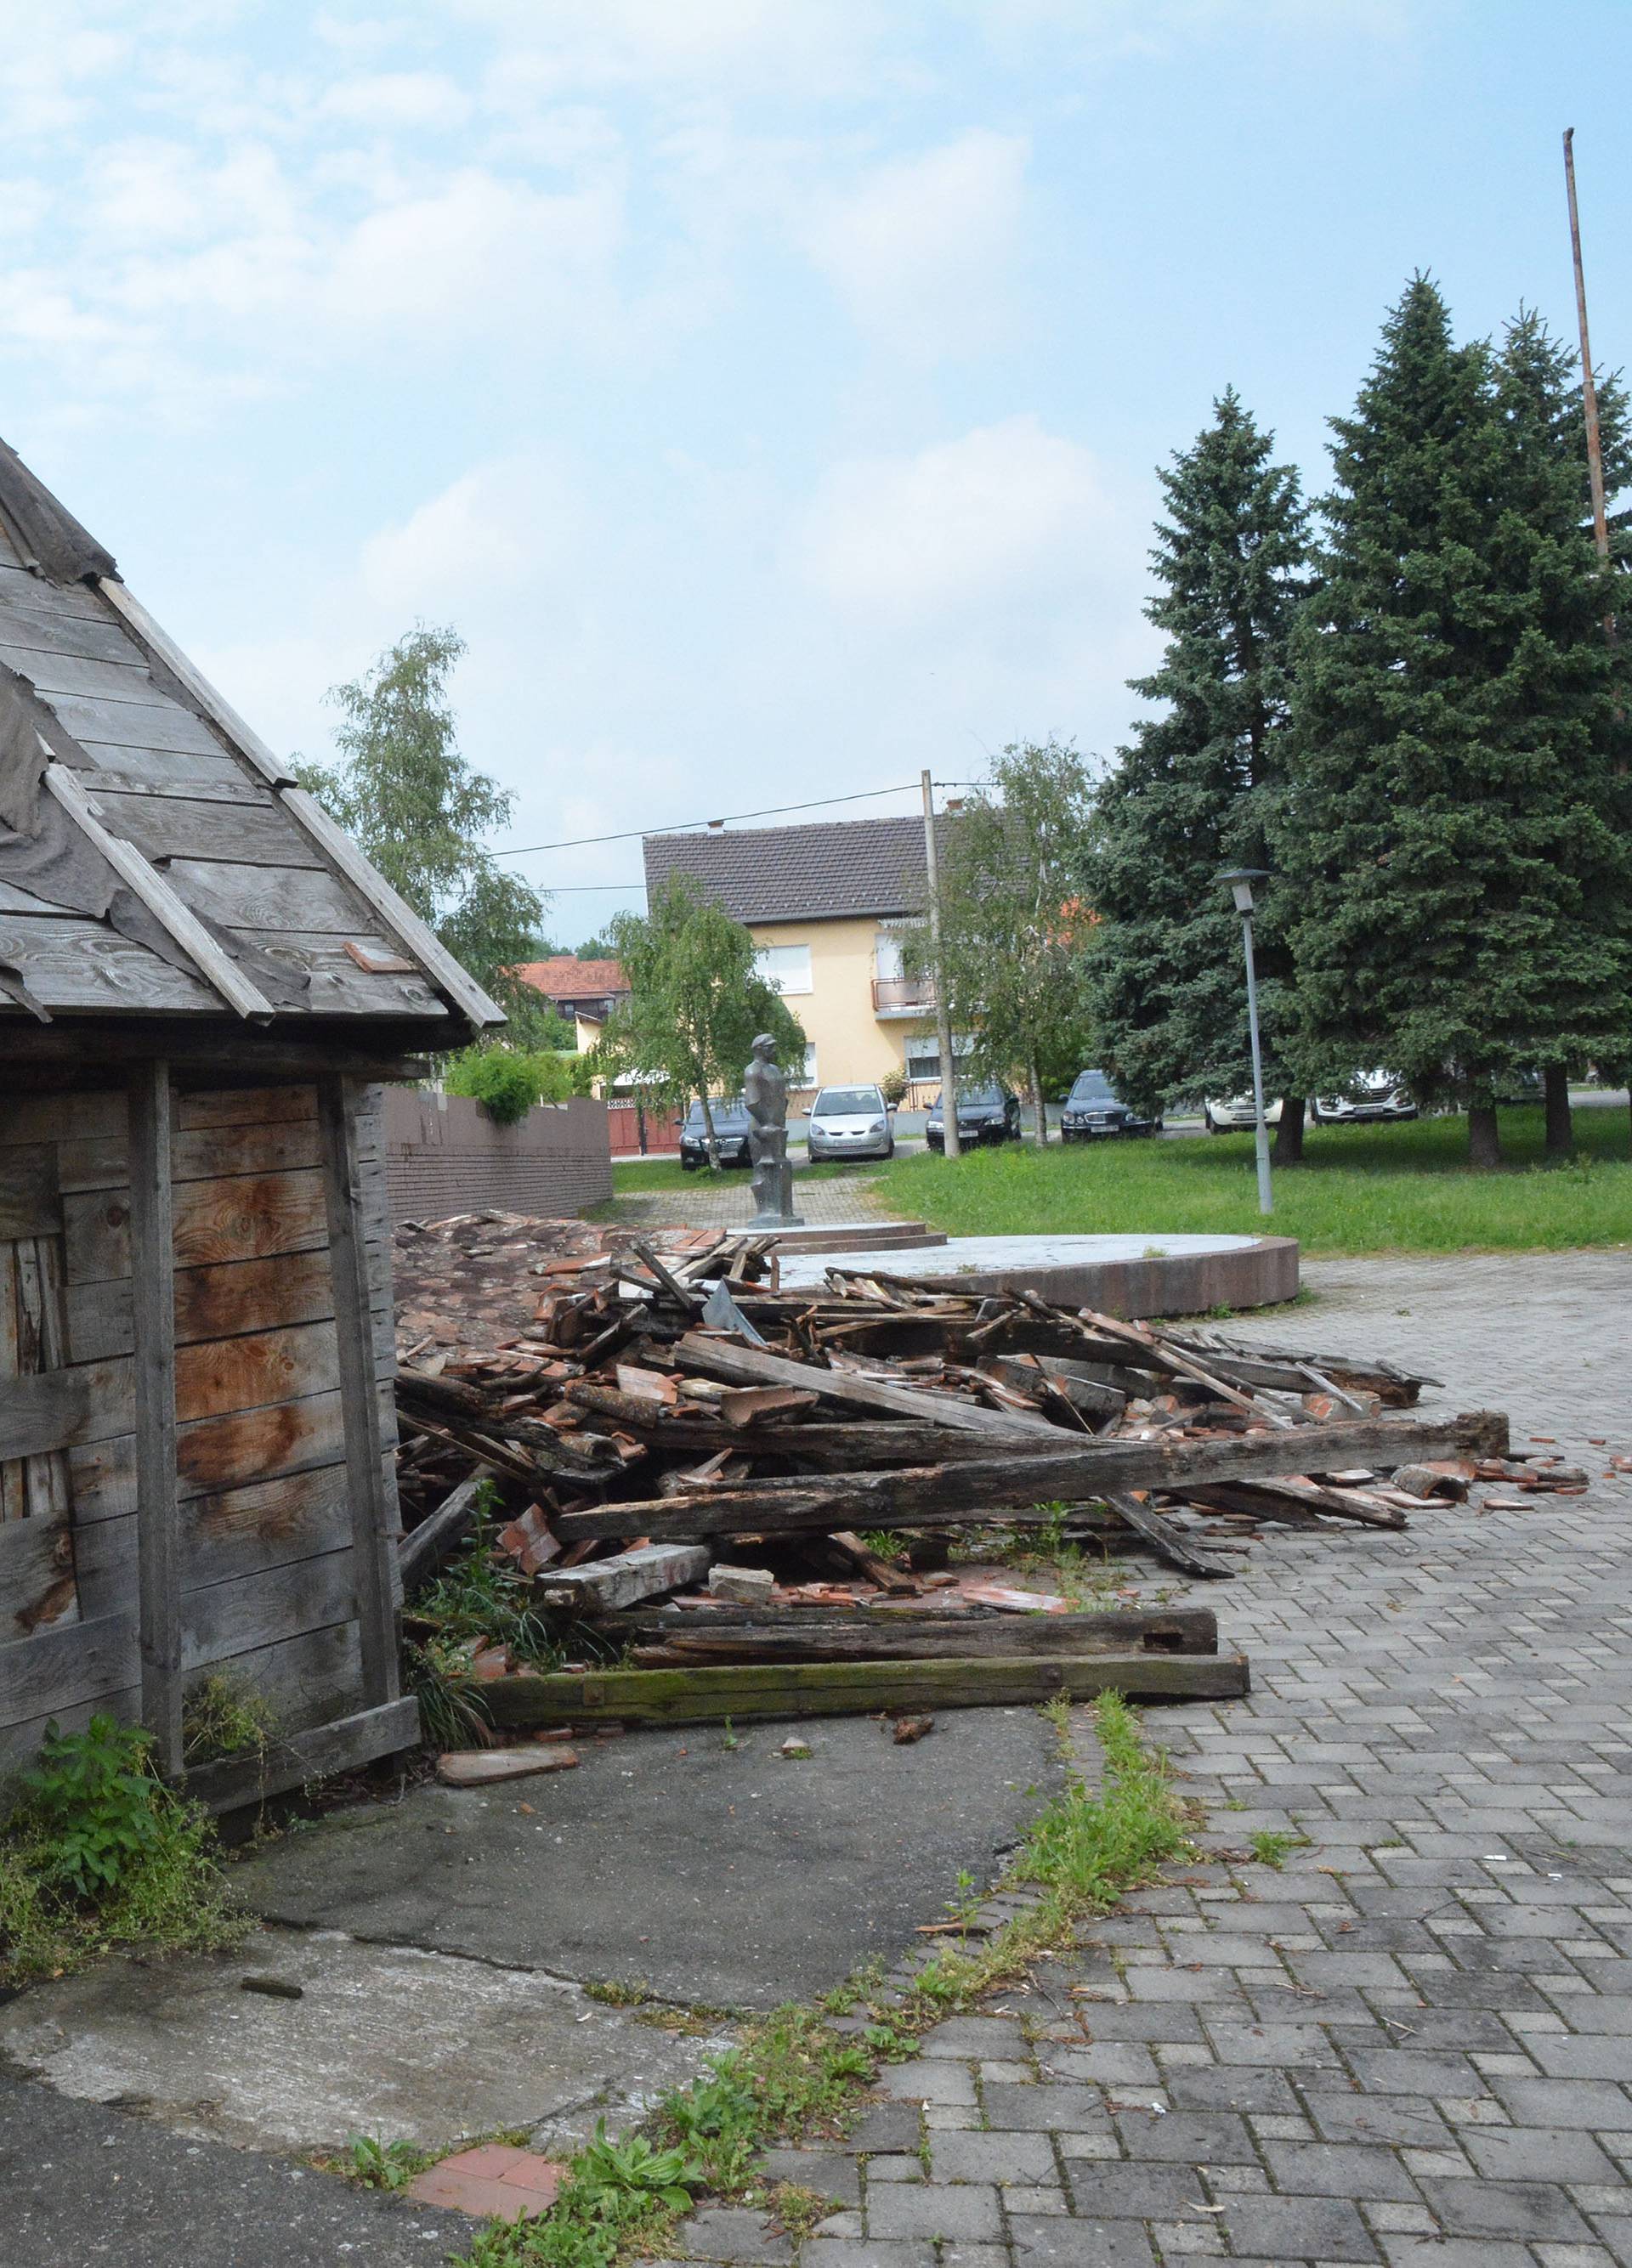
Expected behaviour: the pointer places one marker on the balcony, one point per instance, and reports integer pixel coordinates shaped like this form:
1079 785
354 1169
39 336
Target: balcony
902 996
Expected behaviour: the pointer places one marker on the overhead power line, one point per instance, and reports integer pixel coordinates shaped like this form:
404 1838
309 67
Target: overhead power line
686 825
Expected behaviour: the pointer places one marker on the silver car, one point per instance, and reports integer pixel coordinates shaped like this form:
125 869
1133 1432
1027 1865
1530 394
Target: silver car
849 1122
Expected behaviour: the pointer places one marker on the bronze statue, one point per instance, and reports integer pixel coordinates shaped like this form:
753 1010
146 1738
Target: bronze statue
765 1090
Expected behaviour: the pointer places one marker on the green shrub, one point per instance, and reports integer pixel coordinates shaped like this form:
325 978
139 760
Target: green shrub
509 1081
892 1086
99 1851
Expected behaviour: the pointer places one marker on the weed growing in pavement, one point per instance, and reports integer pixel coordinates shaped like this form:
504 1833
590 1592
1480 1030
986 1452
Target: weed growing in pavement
793 2073
451 1710
618 1992
1270 1846
100 1852
385 2165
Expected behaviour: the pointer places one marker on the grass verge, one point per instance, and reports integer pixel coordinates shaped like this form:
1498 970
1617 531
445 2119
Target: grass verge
1381 1189
795 2074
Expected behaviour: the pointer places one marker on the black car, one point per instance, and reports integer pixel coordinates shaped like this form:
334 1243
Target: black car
984 1113
731 1129
1094 1111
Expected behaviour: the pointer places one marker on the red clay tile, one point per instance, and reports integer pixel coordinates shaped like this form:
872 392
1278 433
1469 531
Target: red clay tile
495 2178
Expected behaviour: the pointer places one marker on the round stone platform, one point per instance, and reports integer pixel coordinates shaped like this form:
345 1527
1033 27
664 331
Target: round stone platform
1126 1276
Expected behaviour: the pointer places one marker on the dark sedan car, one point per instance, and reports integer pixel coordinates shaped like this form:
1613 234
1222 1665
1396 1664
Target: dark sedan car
984 1113
730 1136
1094 1110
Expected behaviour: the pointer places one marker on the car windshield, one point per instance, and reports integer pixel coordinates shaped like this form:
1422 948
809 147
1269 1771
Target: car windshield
846 1101
726 1115
1092 1086
981 1098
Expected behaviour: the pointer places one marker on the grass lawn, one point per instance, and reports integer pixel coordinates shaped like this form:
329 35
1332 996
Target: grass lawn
1382 1189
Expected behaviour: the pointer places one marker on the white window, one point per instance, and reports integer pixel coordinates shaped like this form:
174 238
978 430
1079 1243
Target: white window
787 967
805 1074
887 957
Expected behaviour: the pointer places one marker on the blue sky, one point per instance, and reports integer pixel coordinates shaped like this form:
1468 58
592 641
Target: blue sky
768 390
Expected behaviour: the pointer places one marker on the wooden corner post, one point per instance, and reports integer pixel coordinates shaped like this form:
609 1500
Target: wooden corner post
360 1396
152 1289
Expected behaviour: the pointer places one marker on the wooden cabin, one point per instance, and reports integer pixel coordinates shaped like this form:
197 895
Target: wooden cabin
202 983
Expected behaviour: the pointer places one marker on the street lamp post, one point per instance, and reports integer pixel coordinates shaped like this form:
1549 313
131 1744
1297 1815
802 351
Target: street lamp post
1241 879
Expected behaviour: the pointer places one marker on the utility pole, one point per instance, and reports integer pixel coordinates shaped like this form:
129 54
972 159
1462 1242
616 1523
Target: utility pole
943 1021
1589 384
1241 879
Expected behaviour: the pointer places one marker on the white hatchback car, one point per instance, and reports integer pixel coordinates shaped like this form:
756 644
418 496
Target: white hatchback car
849 1122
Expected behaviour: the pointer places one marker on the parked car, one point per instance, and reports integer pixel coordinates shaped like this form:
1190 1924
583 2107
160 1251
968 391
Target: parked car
731 1128
984 1113
1372 1098
1520 1086
1224 1114
1094 1111
849 1122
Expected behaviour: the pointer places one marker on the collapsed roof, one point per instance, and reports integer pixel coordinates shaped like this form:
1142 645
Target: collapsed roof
156 858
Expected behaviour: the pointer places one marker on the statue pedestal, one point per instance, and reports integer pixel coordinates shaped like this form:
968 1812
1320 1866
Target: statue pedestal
777 1220
773 1195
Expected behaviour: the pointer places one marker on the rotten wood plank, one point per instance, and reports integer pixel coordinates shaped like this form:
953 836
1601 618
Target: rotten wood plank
825 1689
153 1262
888 1636
743 1366
626 1578
1080 1471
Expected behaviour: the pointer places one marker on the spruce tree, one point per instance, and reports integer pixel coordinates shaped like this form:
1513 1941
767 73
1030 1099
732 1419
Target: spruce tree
1542 401
1194 792
1446 832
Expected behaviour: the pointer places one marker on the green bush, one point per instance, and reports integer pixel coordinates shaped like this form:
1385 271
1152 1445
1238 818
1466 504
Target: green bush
892 1086
100 1852
509 1081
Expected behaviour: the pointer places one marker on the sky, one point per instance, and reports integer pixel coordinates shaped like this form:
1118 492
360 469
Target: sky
770 391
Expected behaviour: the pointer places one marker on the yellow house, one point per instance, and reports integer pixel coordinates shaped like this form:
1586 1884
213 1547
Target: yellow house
824 904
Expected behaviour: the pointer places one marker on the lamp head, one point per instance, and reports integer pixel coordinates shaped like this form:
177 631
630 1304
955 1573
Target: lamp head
1241 879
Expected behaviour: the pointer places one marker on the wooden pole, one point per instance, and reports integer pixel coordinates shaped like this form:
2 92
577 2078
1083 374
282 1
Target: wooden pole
153 1290
943 1021
373 1547
1589 384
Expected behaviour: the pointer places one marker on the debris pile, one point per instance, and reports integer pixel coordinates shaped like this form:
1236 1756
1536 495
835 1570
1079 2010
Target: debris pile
788 1469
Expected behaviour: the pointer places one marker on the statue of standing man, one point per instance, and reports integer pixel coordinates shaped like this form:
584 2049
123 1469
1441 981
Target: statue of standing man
765 1090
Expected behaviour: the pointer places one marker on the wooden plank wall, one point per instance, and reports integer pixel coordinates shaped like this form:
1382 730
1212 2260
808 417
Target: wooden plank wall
265 1550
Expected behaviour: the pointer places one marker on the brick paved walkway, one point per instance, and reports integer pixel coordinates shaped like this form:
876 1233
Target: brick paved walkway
1412 2045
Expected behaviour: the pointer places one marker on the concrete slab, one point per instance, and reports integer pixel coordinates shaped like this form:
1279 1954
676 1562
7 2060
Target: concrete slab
1132 1275
385 2040
720 1876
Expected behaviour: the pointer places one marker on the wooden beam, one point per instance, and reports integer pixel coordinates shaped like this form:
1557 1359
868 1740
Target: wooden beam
152 1272
854 1688
215 966
339 1746
423 1549
673 1641
159 645
740 1366
1016 1486
359 1402
626 1578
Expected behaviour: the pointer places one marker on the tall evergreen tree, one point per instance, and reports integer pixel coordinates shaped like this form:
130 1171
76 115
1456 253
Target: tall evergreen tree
1445 832
1541 400
1195 791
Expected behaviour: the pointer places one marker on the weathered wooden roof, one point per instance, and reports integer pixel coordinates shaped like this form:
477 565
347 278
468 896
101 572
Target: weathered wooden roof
156 858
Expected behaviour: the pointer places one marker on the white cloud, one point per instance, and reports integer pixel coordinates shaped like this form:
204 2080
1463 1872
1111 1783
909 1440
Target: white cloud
399 100
962 529
924 249
501 532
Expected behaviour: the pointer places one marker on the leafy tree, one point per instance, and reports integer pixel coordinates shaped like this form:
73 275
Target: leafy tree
413 804
697 1001
510 1080
1446 835
1196 791
1016 930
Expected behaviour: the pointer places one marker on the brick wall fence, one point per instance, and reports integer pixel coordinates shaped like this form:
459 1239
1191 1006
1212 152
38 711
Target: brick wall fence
445 1154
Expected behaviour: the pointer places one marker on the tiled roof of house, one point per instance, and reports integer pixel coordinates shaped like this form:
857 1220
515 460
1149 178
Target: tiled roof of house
565 977
820 873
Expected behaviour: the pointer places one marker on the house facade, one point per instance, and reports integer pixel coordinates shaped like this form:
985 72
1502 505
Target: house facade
583 994
824 905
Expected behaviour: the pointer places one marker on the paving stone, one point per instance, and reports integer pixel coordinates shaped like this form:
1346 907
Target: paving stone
866 2252
1530 2210
1542 2153
1299 2228
1196 2137
1231 2087
831 2174
1044 2108
1041 2241
887 2126
1396 2119
933 2209
1564 2102
731 2232
1133 2192
1339 2170
1011 2157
